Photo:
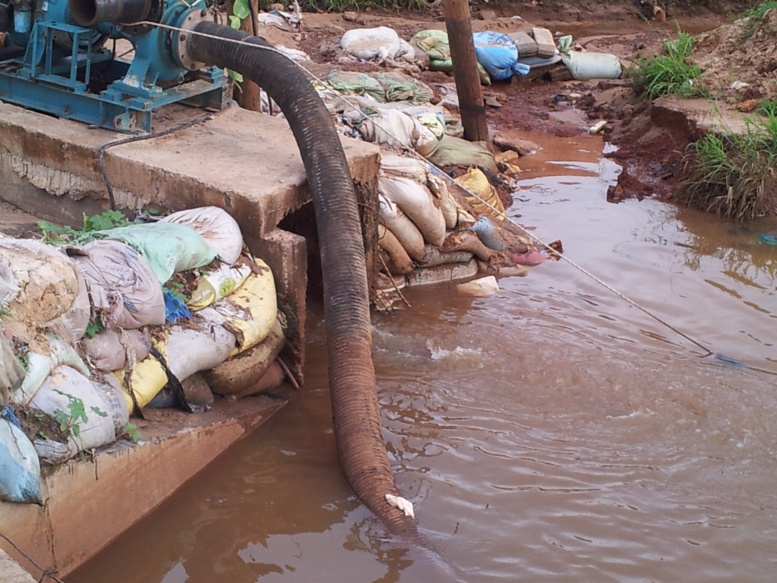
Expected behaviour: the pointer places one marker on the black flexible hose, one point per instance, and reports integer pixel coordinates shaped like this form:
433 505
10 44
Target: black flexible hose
358 430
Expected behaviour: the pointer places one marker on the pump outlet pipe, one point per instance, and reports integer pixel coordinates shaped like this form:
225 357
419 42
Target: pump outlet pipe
356 414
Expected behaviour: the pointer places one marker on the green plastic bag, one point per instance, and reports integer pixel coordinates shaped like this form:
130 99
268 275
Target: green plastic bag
168 247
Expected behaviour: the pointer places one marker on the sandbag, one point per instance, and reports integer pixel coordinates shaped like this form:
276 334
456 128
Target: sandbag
168 247
498 54
401 226
40 366
448 206
20 479
452 151
398 129
384 87
114 398
435 44
584 66
43 291
379 43
124 289
65 386
480 190
216 227
108 350
417 203
11 371
404 166
235 376
226 328
399 261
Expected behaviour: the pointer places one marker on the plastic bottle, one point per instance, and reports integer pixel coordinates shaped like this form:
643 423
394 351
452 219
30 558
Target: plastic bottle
218 284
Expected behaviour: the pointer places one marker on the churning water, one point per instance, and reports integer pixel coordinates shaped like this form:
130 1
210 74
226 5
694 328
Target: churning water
550 433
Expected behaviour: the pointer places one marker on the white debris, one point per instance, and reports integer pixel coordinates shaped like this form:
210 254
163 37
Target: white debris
404 505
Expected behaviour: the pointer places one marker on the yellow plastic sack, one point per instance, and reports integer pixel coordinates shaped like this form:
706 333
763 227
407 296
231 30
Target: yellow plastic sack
477 183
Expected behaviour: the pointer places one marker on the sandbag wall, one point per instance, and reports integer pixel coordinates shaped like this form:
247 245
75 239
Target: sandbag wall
96 330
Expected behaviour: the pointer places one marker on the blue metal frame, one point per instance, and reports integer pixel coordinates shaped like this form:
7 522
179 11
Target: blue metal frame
51 80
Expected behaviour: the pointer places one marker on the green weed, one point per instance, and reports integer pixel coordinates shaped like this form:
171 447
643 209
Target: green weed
67 235
733 176
670 73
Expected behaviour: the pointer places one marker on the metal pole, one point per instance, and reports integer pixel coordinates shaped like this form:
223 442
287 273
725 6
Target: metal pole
465 71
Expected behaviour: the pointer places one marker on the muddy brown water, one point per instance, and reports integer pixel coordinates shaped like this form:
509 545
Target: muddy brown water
551 432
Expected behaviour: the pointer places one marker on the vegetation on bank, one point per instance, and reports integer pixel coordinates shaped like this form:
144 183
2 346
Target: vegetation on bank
734 176
729 174
671 73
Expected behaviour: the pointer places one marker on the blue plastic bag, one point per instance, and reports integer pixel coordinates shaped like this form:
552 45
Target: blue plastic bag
498 54
20 479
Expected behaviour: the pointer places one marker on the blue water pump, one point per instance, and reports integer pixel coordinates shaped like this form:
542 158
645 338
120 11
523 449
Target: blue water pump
55 59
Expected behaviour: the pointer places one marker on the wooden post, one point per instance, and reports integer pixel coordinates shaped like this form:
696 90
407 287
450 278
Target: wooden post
247 96
465 70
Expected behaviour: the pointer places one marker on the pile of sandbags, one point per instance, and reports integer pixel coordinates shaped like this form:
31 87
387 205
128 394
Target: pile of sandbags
427 223
100 333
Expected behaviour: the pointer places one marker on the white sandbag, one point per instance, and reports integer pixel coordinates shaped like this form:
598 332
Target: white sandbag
404 166
39 367
20 479
403 228
190 351
125 291
114 398
397 129
479 288
109 349
216 226
66 388
379 43
417 203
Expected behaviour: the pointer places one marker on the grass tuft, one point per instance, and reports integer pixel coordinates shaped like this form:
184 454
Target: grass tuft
734 176
670 73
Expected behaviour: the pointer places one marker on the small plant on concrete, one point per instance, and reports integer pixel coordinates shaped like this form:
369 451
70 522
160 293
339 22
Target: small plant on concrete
734 176
670 73
131 432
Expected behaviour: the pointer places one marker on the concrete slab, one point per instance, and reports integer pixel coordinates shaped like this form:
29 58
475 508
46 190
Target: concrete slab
705 114
11 571
90 502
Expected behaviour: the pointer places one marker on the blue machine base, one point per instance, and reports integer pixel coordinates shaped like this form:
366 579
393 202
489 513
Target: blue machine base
132 115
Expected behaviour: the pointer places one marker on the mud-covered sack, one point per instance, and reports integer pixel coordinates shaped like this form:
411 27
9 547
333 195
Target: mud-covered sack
498 54
11 371
217 228
49 291
453 151
124 289
378 43
168 247
114 348
87 418
398 129
20 479
406 232
417 203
